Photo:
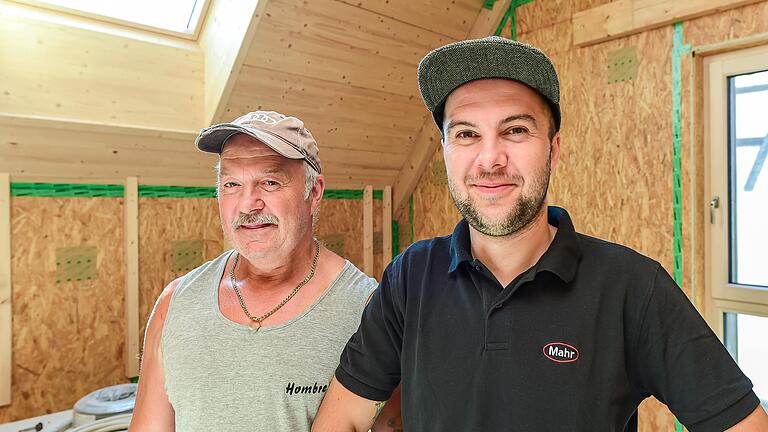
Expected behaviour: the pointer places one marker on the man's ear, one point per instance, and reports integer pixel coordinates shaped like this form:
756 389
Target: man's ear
554 153
316 194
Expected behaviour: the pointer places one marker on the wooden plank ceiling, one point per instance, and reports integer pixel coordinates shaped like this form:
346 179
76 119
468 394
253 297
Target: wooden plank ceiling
348 70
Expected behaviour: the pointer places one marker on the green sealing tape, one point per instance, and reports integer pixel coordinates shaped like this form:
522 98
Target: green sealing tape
488 4
355 194
66 190
147 191
75 190
678 51
510 15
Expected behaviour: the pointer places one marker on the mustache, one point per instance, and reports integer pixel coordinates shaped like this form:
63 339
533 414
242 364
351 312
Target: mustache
254 219
471 179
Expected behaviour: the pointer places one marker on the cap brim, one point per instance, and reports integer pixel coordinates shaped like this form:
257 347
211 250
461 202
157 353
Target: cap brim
212 140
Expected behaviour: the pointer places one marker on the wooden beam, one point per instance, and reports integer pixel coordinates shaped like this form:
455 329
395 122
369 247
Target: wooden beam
90 151
386 226
626 17
730 45
58 123
427 140
408 178
5 290
487 20
368 231
226 39
131 277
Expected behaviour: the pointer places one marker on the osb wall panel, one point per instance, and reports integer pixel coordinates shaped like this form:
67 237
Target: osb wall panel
345 217
67 337
544 13
163 221
434 212
405 230
732 24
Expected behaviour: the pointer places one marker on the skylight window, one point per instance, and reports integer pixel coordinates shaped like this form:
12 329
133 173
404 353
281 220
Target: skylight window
179 17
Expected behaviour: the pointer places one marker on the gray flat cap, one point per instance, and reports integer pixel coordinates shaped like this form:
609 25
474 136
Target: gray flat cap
446 68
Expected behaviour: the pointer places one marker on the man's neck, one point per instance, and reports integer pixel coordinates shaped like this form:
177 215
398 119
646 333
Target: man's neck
275 272
508 256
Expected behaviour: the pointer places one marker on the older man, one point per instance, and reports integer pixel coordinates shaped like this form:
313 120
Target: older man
250 340
516 321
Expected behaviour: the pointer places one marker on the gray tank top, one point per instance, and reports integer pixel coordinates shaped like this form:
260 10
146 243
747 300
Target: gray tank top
221 376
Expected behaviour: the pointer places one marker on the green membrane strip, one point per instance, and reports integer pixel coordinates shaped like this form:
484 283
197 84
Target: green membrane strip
678 51
66 190
510 15
85 190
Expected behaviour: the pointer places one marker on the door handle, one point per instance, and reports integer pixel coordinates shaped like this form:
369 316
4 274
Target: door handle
713 204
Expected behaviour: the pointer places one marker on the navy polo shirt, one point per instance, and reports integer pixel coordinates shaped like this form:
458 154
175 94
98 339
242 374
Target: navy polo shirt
576 342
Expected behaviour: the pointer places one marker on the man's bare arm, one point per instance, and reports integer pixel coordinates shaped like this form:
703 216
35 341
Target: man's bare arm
390 419
344 411
153 411
755 422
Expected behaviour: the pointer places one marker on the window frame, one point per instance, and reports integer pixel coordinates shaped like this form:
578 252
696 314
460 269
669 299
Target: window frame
723 296
198 18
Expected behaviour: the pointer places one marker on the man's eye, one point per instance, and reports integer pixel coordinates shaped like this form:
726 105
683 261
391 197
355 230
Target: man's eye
230 184
270 185
517 130
466 134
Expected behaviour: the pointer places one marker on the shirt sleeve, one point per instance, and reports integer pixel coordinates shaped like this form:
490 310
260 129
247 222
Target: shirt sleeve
370 362
682 363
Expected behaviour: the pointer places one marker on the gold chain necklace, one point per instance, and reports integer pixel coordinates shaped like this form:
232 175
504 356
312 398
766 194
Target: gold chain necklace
256 321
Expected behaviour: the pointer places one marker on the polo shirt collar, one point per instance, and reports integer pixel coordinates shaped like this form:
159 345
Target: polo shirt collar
561 258
461 250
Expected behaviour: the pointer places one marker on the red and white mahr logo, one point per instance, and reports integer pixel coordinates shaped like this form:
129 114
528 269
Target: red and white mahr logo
561 352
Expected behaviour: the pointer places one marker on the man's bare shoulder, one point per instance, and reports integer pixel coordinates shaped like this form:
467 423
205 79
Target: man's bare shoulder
164 300
333 262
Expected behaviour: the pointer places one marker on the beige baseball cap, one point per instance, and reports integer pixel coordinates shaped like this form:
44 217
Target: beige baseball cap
286 135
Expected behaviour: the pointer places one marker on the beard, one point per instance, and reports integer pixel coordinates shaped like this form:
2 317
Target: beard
517 218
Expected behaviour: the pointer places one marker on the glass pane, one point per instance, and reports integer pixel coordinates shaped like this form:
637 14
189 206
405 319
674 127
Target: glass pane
748 178
175 15
745 340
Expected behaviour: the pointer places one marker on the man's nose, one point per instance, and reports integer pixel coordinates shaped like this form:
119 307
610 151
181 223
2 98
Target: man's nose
252 199
492 154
